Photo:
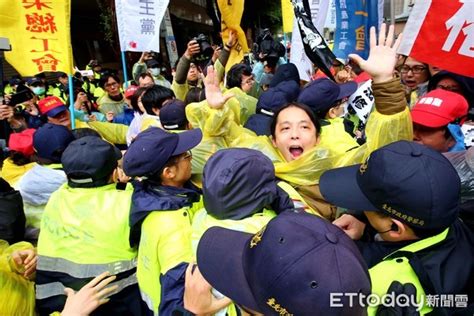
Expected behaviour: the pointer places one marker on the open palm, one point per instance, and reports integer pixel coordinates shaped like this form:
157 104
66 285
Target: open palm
382 56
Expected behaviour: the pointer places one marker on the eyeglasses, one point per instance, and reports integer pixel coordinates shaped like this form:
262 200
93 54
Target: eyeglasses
112 85
404 69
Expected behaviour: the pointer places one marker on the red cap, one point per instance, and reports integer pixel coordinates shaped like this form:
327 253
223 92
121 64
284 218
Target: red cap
439 108
22 142
51 106
130 91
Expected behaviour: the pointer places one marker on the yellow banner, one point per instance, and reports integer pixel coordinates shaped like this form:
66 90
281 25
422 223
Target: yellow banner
231 12
39 33
287 15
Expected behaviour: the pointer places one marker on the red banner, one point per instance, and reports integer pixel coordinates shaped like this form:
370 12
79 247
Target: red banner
441 33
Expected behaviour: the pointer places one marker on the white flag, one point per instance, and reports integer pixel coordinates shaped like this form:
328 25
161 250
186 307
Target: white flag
298 57
139 23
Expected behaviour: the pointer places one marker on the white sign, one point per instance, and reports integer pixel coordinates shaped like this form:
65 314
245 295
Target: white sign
139 23
362 101
319 11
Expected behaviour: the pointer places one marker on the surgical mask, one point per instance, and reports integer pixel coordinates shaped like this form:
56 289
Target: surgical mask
155 72
39 90
345 112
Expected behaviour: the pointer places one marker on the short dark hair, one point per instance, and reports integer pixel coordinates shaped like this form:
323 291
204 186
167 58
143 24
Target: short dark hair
134 99
234 76
303 107
155 96
143 75
105 78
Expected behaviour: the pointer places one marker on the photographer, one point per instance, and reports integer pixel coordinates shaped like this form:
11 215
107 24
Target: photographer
20 110
148 63
269 54
186 82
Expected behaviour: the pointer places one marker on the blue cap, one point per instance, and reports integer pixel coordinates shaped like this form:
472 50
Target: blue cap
238 182
50 140
173 115
295 262
321 94
89 161
404 180
152 149
268 103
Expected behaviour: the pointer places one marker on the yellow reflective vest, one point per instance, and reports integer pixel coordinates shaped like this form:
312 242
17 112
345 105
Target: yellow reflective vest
85 232
398 268
165 242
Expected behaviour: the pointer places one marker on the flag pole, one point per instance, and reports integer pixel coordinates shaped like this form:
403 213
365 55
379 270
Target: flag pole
71 102
124 66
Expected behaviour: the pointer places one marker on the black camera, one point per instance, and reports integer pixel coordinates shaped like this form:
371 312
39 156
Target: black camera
205 47
270 49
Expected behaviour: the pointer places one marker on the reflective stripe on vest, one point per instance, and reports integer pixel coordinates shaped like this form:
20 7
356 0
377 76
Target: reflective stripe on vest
148 301
57 288
82 271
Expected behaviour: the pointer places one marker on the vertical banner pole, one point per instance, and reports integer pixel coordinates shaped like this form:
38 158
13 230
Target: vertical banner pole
124 66
71 102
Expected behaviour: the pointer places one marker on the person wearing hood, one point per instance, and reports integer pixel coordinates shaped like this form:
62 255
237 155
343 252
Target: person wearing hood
148 64
328 100
409 194
37 185
268 103
164 198
246 201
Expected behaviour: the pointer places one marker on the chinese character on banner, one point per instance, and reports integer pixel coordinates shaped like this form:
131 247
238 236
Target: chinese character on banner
138 23
355 18
451 45
362 101
42 40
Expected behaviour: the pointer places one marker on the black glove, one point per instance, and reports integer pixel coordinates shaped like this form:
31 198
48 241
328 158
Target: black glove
396 289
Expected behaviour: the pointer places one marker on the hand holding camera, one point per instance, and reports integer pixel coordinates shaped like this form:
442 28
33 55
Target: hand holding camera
192 49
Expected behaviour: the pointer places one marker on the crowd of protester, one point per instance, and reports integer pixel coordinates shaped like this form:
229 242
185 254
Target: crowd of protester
246 192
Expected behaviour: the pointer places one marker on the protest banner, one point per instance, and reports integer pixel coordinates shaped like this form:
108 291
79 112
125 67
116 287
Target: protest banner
231 12
441 33
362 101
353 21
138 24
39 33
319 10
314 44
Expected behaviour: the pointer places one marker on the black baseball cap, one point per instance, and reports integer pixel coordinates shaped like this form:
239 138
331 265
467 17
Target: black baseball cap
321 94
173 115
50 140
404 180
152 148
89 161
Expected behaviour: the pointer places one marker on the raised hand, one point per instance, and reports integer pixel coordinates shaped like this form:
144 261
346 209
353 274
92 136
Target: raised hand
215 98
383 55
